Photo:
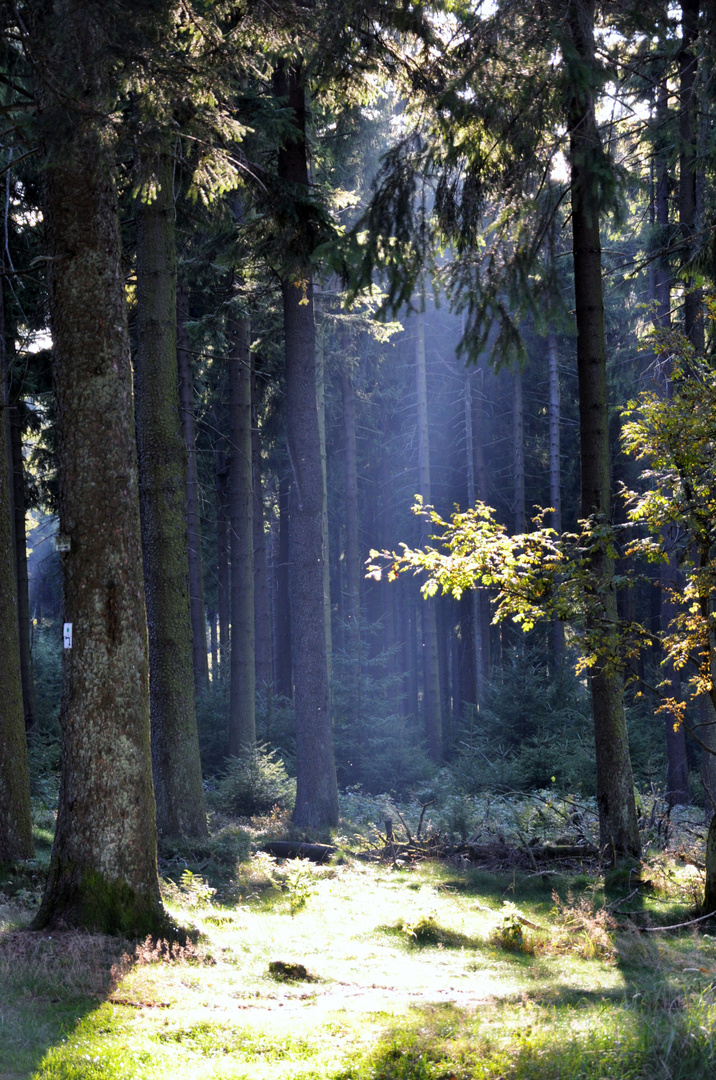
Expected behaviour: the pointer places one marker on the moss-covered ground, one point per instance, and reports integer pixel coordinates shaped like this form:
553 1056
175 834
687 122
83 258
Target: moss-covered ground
366 971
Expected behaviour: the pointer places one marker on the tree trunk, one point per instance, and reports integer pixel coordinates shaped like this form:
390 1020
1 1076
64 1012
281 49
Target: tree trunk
242 707
178 787
222 560
431 675
193 519
693 322
262 606
321 407
619 834
555 496
316 789
103 868
474 600
23 602
518 452
15 820
283 665
352 556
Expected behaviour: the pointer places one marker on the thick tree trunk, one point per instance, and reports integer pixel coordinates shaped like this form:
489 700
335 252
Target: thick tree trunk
262 606
193 519
23 601
619 834
242 698
431 675
178 787
316 789
15 820
103 868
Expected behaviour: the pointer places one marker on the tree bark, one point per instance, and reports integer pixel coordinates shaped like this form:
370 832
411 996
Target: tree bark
193 518
619 834
431 676
352 556
178 786
316 788
242 698
518 452
15 820
103 868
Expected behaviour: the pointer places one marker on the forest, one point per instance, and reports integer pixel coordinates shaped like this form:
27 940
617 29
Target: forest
358 538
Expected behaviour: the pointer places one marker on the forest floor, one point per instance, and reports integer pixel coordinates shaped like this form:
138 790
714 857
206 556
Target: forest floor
368 971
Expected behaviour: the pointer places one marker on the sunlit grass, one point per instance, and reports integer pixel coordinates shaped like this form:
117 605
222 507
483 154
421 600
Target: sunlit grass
408 979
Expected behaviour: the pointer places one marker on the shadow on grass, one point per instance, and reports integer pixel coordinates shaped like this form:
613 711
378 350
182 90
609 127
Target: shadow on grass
47 983
566 1036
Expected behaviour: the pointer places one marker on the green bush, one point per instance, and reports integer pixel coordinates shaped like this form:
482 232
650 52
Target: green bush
254 784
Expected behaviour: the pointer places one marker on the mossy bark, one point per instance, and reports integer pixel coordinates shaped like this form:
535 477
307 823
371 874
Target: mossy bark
103 868
619 834
178 784
15 820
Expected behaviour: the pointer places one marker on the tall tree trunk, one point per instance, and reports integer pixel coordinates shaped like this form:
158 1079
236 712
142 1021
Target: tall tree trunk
23 601
518 451
178 784
15 820
103 867
321 407
193 519
555 470
262 606
431 675
222 559
474 599
619 833
677 772
352 556
693 323
242 698
316 788
283 664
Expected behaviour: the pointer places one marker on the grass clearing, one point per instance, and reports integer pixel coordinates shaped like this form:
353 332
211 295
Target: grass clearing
367 972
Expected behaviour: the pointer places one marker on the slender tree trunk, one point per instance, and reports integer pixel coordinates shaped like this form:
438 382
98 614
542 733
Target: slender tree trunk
555 495
15 820
178 784
474 600
214 644
283 664
619 832
693 322
23 602
262 606
103 868
431 674
321 407
518 452
242 699
352 557
222 559
193 518
316 788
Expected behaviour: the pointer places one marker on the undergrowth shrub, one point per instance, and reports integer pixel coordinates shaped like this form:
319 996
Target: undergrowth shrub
254 783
